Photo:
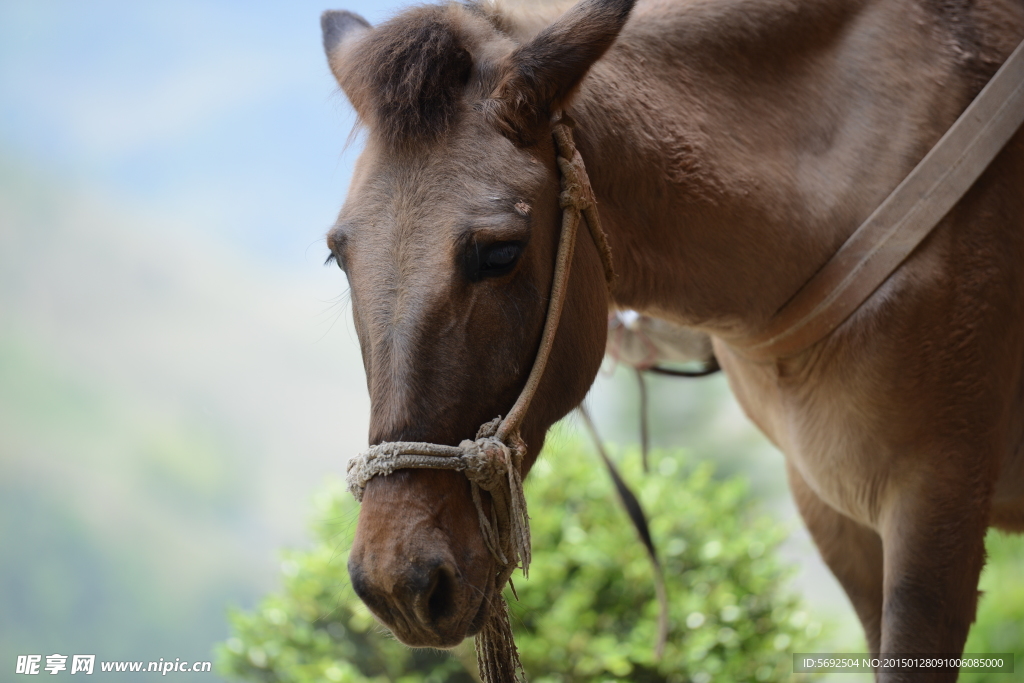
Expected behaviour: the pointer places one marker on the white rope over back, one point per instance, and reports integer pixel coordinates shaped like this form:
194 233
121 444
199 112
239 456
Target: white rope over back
493 462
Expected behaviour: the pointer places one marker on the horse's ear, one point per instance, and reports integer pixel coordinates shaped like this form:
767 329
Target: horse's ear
341 30
539 77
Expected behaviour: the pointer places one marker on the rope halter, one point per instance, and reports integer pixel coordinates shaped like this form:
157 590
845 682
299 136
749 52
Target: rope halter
493 462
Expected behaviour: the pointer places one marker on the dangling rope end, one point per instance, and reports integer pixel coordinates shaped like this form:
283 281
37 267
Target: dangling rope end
497 657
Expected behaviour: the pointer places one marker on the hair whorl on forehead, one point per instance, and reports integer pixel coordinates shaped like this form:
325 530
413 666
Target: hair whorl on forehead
408 75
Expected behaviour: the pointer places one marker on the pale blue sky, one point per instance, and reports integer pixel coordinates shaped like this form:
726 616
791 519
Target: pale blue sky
167 173
223 114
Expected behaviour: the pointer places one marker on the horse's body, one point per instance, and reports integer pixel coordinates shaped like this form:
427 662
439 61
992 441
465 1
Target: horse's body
733 145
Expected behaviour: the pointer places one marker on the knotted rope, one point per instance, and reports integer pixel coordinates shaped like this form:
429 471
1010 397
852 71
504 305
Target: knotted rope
488 463
494 461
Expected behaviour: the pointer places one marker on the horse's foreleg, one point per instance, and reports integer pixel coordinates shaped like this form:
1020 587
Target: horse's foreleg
933 535
852 551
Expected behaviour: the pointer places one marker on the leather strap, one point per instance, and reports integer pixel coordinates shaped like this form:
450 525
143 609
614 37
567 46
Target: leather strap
889 235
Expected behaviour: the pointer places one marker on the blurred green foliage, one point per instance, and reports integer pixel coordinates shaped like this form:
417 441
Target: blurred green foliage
588 611
999 626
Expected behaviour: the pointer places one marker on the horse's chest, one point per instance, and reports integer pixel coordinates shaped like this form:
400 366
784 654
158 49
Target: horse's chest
841 456
842 451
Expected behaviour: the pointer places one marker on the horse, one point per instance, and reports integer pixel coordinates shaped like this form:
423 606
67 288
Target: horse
732 146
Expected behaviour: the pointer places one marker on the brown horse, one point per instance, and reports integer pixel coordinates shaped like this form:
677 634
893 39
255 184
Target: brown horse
733 145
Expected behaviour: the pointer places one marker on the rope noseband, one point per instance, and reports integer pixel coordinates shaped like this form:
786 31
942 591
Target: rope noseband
493 462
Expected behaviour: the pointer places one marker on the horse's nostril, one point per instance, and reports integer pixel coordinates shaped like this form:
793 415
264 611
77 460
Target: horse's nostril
441 595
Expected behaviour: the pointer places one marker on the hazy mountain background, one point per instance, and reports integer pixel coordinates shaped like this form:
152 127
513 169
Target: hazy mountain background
177 372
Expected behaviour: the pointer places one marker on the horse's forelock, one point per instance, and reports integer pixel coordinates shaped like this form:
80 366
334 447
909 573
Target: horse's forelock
408 75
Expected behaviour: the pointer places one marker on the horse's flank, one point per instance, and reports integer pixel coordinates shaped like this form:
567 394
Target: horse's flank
733 145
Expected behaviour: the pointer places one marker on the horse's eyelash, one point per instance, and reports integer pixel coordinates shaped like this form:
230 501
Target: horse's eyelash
331 258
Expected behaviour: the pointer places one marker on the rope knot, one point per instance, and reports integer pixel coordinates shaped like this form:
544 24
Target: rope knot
487 462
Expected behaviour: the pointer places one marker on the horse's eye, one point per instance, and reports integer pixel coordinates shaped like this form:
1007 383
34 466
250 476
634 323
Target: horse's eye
501 256
333 258
492 260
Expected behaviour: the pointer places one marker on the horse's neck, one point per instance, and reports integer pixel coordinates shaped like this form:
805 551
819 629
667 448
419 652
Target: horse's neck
735 144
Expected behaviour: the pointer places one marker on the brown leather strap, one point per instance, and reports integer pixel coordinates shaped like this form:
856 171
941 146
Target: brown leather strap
882 242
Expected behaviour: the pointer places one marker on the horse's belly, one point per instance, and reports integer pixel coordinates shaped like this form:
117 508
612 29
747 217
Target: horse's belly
853 449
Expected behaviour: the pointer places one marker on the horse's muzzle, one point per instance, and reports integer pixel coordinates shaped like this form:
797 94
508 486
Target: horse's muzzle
422 572
427 606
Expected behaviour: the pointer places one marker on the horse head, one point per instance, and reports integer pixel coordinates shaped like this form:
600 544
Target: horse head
448 239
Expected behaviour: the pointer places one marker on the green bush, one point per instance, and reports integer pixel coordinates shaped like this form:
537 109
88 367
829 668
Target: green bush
588 611
1000 622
